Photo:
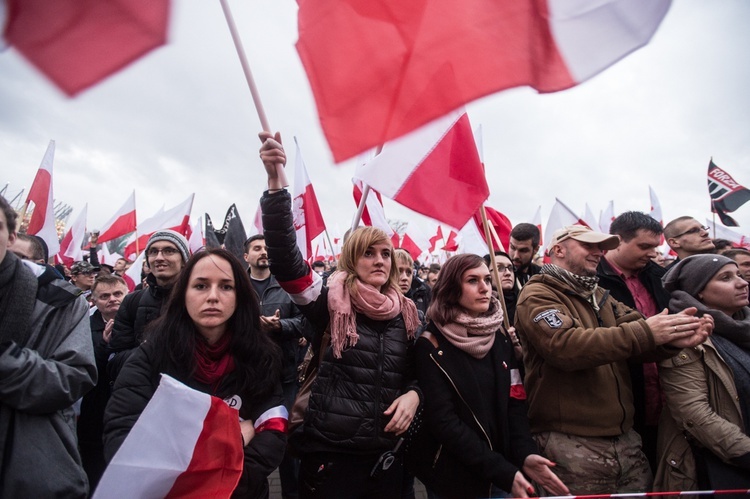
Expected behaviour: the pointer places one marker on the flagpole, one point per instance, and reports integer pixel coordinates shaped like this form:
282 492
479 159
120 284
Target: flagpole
363 200
250 81
714 218
330 244
495 273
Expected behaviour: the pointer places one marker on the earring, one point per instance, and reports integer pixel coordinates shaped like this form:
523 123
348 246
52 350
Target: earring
700 297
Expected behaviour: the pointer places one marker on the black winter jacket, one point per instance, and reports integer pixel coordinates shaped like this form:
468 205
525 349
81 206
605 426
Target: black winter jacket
457 454
136 311
136 385
350 394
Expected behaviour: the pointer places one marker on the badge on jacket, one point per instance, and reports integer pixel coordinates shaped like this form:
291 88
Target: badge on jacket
551 318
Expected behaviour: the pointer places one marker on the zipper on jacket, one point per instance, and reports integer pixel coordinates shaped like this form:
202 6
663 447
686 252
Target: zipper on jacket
379 386
464 401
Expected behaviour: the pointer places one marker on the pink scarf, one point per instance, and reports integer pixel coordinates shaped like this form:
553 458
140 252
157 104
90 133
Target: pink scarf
474 335
344 306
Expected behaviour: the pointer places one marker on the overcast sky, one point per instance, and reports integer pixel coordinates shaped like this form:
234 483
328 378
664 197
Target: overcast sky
181 120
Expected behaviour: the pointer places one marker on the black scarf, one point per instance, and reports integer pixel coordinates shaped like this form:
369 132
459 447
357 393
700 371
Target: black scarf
18 288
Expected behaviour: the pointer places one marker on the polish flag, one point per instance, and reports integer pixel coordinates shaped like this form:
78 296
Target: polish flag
373 214
70 247
738 240
559 217
537 220
656 210
121 223
308 221
177 219
133 275
186 443
591 219
607 217
409 245
42 221
452 243
434 239
425 59
499 222
197 242
257 227
434 170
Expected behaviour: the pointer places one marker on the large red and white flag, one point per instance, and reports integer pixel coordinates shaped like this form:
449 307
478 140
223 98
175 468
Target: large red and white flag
738 240
186 443
42 221
70 247
434 170
373 214
425 59
121 223
537 220
607 217
77 43
177 219
308 221
559 217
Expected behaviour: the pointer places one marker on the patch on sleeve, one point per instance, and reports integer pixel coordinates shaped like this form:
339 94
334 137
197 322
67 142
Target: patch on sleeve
551 318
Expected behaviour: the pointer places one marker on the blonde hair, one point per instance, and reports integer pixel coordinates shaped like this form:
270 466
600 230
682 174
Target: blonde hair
403 256
354 248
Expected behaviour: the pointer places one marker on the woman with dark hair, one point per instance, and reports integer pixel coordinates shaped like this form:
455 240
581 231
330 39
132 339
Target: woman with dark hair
364 395
209 338
704 431
477 440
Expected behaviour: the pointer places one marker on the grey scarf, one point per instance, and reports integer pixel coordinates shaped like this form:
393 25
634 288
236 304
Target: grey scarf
583 286
18 288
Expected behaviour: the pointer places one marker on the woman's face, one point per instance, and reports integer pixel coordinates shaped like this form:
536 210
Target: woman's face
476 290
374 267
726 291
210 299
505 269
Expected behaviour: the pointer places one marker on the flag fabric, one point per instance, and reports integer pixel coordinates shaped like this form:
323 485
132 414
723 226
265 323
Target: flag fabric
70 247
232 234
591 219
537 220
655 211
77 43
379 69
212 239
197 242
373 214
185 443
607 217
132 276
308 221
434 170
177 219
726 194
409 245
738 240
500 223
559 217
121 223
434 239
257 227
451 244
42 222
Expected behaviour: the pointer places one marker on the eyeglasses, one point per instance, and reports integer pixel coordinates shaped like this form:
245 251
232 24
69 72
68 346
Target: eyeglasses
501 269
694 230
167 252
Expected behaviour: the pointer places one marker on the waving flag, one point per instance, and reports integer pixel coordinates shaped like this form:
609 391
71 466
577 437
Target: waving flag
197 242
77 43
537 220
382 68
655 212
434 171
500 223
308 221
452 243
726 194
185 444
373 214
434 239
607 217
72 242
121 223
559 217
177 219
42 221
591 219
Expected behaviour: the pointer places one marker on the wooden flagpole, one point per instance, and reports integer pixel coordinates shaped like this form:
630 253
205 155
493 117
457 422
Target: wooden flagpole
250 81
495 273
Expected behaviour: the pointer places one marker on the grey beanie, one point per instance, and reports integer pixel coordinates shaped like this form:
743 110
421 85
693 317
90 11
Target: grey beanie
173 237
693 273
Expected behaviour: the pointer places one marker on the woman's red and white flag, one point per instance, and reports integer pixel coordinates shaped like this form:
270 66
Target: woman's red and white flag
42 221
121 223
186 443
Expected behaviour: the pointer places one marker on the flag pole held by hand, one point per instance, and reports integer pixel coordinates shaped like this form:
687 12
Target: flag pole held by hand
250 81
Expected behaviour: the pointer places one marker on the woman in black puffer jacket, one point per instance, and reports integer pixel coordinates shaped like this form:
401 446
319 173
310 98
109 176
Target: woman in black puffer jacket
364 395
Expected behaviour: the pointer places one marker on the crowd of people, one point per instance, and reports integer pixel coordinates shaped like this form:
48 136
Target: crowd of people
603 370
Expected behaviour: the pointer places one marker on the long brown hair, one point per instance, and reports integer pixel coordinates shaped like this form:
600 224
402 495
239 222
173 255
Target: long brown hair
446 292
354 249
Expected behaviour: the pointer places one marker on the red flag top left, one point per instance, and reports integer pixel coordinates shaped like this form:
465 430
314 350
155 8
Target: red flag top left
77 43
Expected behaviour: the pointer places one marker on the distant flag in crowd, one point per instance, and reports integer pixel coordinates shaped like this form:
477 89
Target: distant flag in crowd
308 220
257 227
738 240
607 217
727 195
197 242
72 242
559 217
132 276
380 69
373 214
185 443
591 219
537 220
42 221
451 244
122 222
212 241
500 223
409 245
434 170
434 239
656 209
77 43
177 219
232 235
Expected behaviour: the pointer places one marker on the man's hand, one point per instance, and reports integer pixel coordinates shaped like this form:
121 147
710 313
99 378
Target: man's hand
705 328
272 323
272 153
668 328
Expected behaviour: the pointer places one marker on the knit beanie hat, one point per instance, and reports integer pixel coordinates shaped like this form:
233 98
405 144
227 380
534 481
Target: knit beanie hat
693 273
173 237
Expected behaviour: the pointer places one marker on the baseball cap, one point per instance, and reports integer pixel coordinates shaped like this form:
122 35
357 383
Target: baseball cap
585 235
82 268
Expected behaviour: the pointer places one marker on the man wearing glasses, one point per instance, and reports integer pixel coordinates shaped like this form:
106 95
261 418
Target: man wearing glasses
167 252
686 236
